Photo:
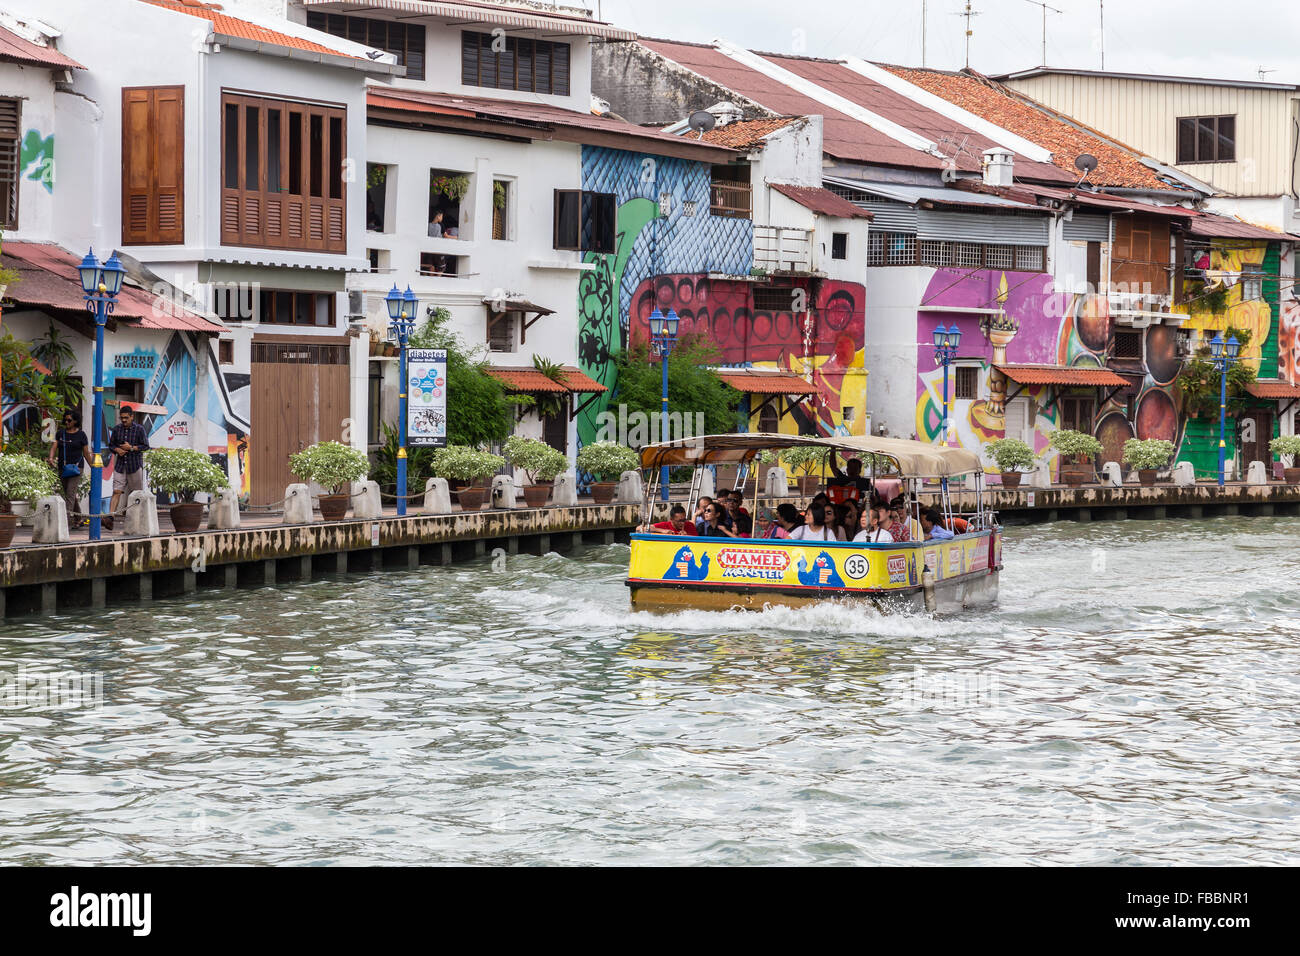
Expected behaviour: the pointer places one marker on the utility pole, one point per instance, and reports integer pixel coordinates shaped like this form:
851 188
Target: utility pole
923 24
967 13
1045 9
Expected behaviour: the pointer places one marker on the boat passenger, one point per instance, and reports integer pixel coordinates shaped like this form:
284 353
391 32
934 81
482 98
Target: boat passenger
850 479
959 525
787 518
769 525
702 518
899 526
873 529
815 527
715 522
737 496
932 525
676 523
846 524
742 525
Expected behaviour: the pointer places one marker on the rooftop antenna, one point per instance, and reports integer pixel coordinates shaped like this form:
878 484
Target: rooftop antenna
701 121
967 13
923 25
1261 71
1101 33
1045 8
1085 163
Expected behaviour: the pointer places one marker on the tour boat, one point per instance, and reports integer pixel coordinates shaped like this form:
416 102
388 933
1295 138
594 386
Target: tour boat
668 572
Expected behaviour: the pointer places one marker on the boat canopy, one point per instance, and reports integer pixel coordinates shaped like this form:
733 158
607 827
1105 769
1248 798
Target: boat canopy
914 459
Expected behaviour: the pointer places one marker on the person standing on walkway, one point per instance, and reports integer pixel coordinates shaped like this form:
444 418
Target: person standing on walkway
70 449
128 442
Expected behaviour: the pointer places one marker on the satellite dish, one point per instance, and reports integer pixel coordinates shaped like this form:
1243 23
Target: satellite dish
1085 163
701 121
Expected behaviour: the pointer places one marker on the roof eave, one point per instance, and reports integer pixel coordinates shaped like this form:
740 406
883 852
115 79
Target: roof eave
308 56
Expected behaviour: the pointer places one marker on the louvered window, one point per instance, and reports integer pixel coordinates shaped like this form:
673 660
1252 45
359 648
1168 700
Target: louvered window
514 63
403 40
153 165
10 124
282 174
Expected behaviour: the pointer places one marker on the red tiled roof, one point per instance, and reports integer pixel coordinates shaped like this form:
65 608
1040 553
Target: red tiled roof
755 382
842 136
821 201
234 27
746 134
19 50
48 280
541 116
1019 114
1061 375
1213 226
528 379
1271 390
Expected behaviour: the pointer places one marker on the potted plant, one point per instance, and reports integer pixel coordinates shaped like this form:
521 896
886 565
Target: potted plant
1012 456
470 465
1147 456
1287 447
183 473
539 462
22 478
604 459
334 467
1079 447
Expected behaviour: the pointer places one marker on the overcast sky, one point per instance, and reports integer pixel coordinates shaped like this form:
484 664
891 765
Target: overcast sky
1210 38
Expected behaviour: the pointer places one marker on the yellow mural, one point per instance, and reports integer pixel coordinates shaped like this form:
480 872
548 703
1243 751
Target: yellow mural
1223 268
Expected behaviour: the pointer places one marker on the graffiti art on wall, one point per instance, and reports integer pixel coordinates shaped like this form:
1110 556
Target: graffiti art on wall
662 227
1222 268
1288 351
38 155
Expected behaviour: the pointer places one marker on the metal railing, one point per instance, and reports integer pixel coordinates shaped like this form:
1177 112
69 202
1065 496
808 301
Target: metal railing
733 200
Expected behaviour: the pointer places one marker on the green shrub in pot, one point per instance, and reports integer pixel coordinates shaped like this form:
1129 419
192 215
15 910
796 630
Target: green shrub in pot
24 478
331 465
1148 454
536 459
463 463
1287 448
1010 454
607 460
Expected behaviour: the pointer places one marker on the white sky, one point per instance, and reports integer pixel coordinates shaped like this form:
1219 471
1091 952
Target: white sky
1209 38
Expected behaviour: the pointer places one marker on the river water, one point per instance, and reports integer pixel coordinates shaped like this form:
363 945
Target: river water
1133 699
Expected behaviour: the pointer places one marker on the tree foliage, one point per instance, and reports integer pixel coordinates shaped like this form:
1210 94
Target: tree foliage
693 387
1198 383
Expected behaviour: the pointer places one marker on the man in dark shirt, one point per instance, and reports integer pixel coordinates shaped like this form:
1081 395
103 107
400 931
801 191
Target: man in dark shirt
741 522
128 442
851 478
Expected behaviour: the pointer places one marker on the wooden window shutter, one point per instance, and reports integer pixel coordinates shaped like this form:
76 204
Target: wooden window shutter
153 165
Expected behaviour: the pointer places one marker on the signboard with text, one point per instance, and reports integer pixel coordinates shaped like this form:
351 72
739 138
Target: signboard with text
426 397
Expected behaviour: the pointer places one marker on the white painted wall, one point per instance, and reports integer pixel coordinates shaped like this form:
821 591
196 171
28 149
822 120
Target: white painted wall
34 86
892 297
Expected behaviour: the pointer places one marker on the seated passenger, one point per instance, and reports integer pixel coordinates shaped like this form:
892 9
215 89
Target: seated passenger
815 527
714 522
676 523
850 480
742 525
702 511
873 528
932 525
899 524
787 519
959 525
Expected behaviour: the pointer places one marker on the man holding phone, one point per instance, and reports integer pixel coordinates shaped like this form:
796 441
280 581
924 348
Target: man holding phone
128 443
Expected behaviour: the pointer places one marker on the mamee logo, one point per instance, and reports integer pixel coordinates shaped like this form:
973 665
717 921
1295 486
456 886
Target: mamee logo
753 563
897 567
75 909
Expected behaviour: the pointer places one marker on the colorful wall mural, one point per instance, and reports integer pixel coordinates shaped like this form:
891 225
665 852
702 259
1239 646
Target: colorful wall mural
37 154
1221 267
1288 351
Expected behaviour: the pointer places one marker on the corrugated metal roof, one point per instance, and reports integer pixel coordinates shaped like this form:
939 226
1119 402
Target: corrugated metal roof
525 378
1061 375
914 195
821 201
1213 226
21 50
466 11
48 280
756 382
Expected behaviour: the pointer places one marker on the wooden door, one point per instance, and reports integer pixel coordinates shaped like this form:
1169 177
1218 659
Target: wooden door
298 396
1256 431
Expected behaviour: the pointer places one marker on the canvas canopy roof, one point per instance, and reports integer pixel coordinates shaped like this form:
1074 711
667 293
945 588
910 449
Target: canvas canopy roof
914 459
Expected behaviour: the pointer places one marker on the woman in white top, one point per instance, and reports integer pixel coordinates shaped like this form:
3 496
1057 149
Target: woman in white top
815 527
874 532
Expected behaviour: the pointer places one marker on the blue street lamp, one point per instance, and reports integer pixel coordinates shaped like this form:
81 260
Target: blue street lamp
1223 359
663 333
946 341
101 284
402 307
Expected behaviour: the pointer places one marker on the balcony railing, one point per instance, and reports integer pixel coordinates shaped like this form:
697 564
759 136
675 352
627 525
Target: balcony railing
781 249
733 200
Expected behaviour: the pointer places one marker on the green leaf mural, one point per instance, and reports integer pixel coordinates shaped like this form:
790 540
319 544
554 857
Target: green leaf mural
38 153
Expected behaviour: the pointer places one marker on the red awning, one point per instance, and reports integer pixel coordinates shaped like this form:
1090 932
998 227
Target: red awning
19 49
1062 375
528 379
821 201
1274 390
756 382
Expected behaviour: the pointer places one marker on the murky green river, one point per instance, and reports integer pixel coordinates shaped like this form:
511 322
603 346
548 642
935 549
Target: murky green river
1135 698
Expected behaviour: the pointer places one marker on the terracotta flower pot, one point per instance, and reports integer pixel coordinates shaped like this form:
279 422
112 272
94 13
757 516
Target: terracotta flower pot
1146 476
1011 479
334 507
602 492
8 523
536 496
186 516
471 499
1292 475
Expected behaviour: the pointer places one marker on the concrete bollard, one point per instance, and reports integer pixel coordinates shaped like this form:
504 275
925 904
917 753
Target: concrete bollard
223 510
297 505
1184 474
141 514
1229 470
564 491
1114 476
366 504
777 483
50 521
503 491
437 497
707 484
1041 476
1257 473
630 489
